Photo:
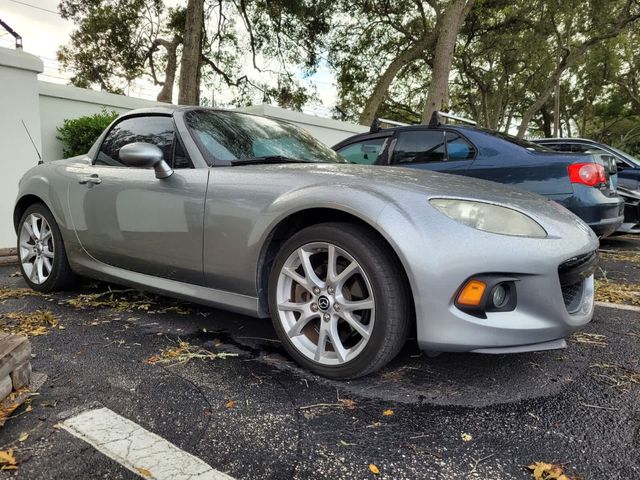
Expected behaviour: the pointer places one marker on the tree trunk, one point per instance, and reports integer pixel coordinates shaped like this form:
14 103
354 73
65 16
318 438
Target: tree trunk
384 81
448 26
166 94
189 84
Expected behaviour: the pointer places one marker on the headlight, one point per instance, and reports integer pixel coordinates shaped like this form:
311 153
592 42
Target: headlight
489 217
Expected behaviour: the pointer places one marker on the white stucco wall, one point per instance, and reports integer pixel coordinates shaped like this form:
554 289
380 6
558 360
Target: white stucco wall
18 104
326 130
61 102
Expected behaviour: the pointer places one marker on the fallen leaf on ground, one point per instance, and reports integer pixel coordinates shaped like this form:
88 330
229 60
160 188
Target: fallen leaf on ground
612 292
466 437
7 460
31 324
375 470
143 471
184 352
547 471
23 436
230 404
594 339
347 403
387 413
6 293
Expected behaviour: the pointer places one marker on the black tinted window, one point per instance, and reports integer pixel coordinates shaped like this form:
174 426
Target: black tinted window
419 146
458 148
153 129
364 152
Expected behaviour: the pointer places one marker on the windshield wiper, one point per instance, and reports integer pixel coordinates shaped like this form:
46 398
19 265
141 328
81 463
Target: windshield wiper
267 159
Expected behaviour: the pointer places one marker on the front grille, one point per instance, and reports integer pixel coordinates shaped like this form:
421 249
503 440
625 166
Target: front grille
572 294
572 274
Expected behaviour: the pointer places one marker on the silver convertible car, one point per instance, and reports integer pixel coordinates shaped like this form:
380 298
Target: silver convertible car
253 215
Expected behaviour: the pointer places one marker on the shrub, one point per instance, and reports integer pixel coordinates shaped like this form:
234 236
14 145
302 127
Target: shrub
79 134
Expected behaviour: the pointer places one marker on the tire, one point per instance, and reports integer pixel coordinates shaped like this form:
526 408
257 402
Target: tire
311 306
43 245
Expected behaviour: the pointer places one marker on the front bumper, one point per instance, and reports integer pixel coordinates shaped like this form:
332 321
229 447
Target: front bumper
440 258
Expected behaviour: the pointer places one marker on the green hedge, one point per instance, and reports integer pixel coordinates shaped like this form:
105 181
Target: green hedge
79 134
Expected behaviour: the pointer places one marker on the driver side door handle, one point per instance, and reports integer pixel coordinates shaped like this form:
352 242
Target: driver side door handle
92 179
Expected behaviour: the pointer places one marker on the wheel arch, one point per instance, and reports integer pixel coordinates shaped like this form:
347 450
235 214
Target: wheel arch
21 206
306 218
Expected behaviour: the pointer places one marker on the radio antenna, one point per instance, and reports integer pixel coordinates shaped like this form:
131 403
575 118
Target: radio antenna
32 142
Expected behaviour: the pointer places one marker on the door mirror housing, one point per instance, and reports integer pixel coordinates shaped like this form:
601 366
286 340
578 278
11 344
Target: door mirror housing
145 155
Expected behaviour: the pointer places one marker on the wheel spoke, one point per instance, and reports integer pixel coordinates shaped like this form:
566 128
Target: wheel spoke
299 279
300 324
47 253
310 275
332 258
34 227
366 304
356 325
341 352
46 232
344 275
40 269
27 253
48 264
322 344
292 307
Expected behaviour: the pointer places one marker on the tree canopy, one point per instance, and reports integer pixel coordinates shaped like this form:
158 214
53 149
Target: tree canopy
530 67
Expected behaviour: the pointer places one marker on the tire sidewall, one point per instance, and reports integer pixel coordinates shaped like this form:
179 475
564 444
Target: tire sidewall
372 262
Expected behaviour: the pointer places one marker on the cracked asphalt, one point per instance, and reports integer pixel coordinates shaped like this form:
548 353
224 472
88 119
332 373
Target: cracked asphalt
576 407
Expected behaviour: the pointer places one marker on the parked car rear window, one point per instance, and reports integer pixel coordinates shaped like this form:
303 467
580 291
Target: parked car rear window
230 136
517 141
157 130
364 152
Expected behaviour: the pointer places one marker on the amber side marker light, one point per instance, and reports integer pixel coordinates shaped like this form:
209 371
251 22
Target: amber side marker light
472 293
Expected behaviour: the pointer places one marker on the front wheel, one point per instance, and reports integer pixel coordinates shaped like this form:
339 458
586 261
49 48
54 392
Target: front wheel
339 300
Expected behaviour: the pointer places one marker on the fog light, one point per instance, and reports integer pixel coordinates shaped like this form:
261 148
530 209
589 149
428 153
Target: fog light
499 296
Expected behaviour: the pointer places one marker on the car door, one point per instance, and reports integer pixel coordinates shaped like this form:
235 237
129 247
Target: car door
127 218
432 149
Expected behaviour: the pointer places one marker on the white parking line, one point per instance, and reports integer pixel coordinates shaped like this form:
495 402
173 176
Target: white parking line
619 306
142 452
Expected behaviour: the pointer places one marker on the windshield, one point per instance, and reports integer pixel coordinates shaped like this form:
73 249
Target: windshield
233 137
633 160
518 141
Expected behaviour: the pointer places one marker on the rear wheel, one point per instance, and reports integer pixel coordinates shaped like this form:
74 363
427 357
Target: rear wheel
43 260
338 300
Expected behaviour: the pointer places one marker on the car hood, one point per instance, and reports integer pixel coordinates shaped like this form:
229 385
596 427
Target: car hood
400 185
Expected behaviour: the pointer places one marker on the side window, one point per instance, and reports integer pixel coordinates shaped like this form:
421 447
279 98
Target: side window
157 130
458 148
364 152
420 146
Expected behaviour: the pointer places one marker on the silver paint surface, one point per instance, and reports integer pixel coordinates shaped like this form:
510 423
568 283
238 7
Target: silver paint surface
199 235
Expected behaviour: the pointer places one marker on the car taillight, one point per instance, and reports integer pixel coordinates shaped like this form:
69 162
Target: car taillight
590 174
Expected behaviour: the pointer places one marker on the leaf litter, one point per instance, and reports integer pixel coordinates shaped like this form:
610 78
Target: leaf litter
616 376
31 324
594 339
125 301
612 292
549 471
184 352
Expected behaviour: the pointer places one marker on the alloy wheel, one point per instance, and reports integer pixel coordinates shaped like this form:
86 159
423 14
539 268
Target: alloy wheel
325 303
36 248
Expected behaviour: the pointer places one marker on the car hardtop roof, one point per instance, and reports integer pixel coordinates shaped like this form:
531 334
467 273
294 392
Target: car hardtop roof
570 139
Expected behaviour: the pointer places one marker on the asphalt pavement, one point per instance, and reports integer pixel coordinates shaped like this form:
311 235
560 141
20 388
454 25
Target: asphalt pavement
247 410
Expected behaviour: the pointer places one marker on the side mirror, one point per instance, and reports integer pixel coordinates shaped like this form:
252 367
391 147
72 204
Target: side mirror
145 155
